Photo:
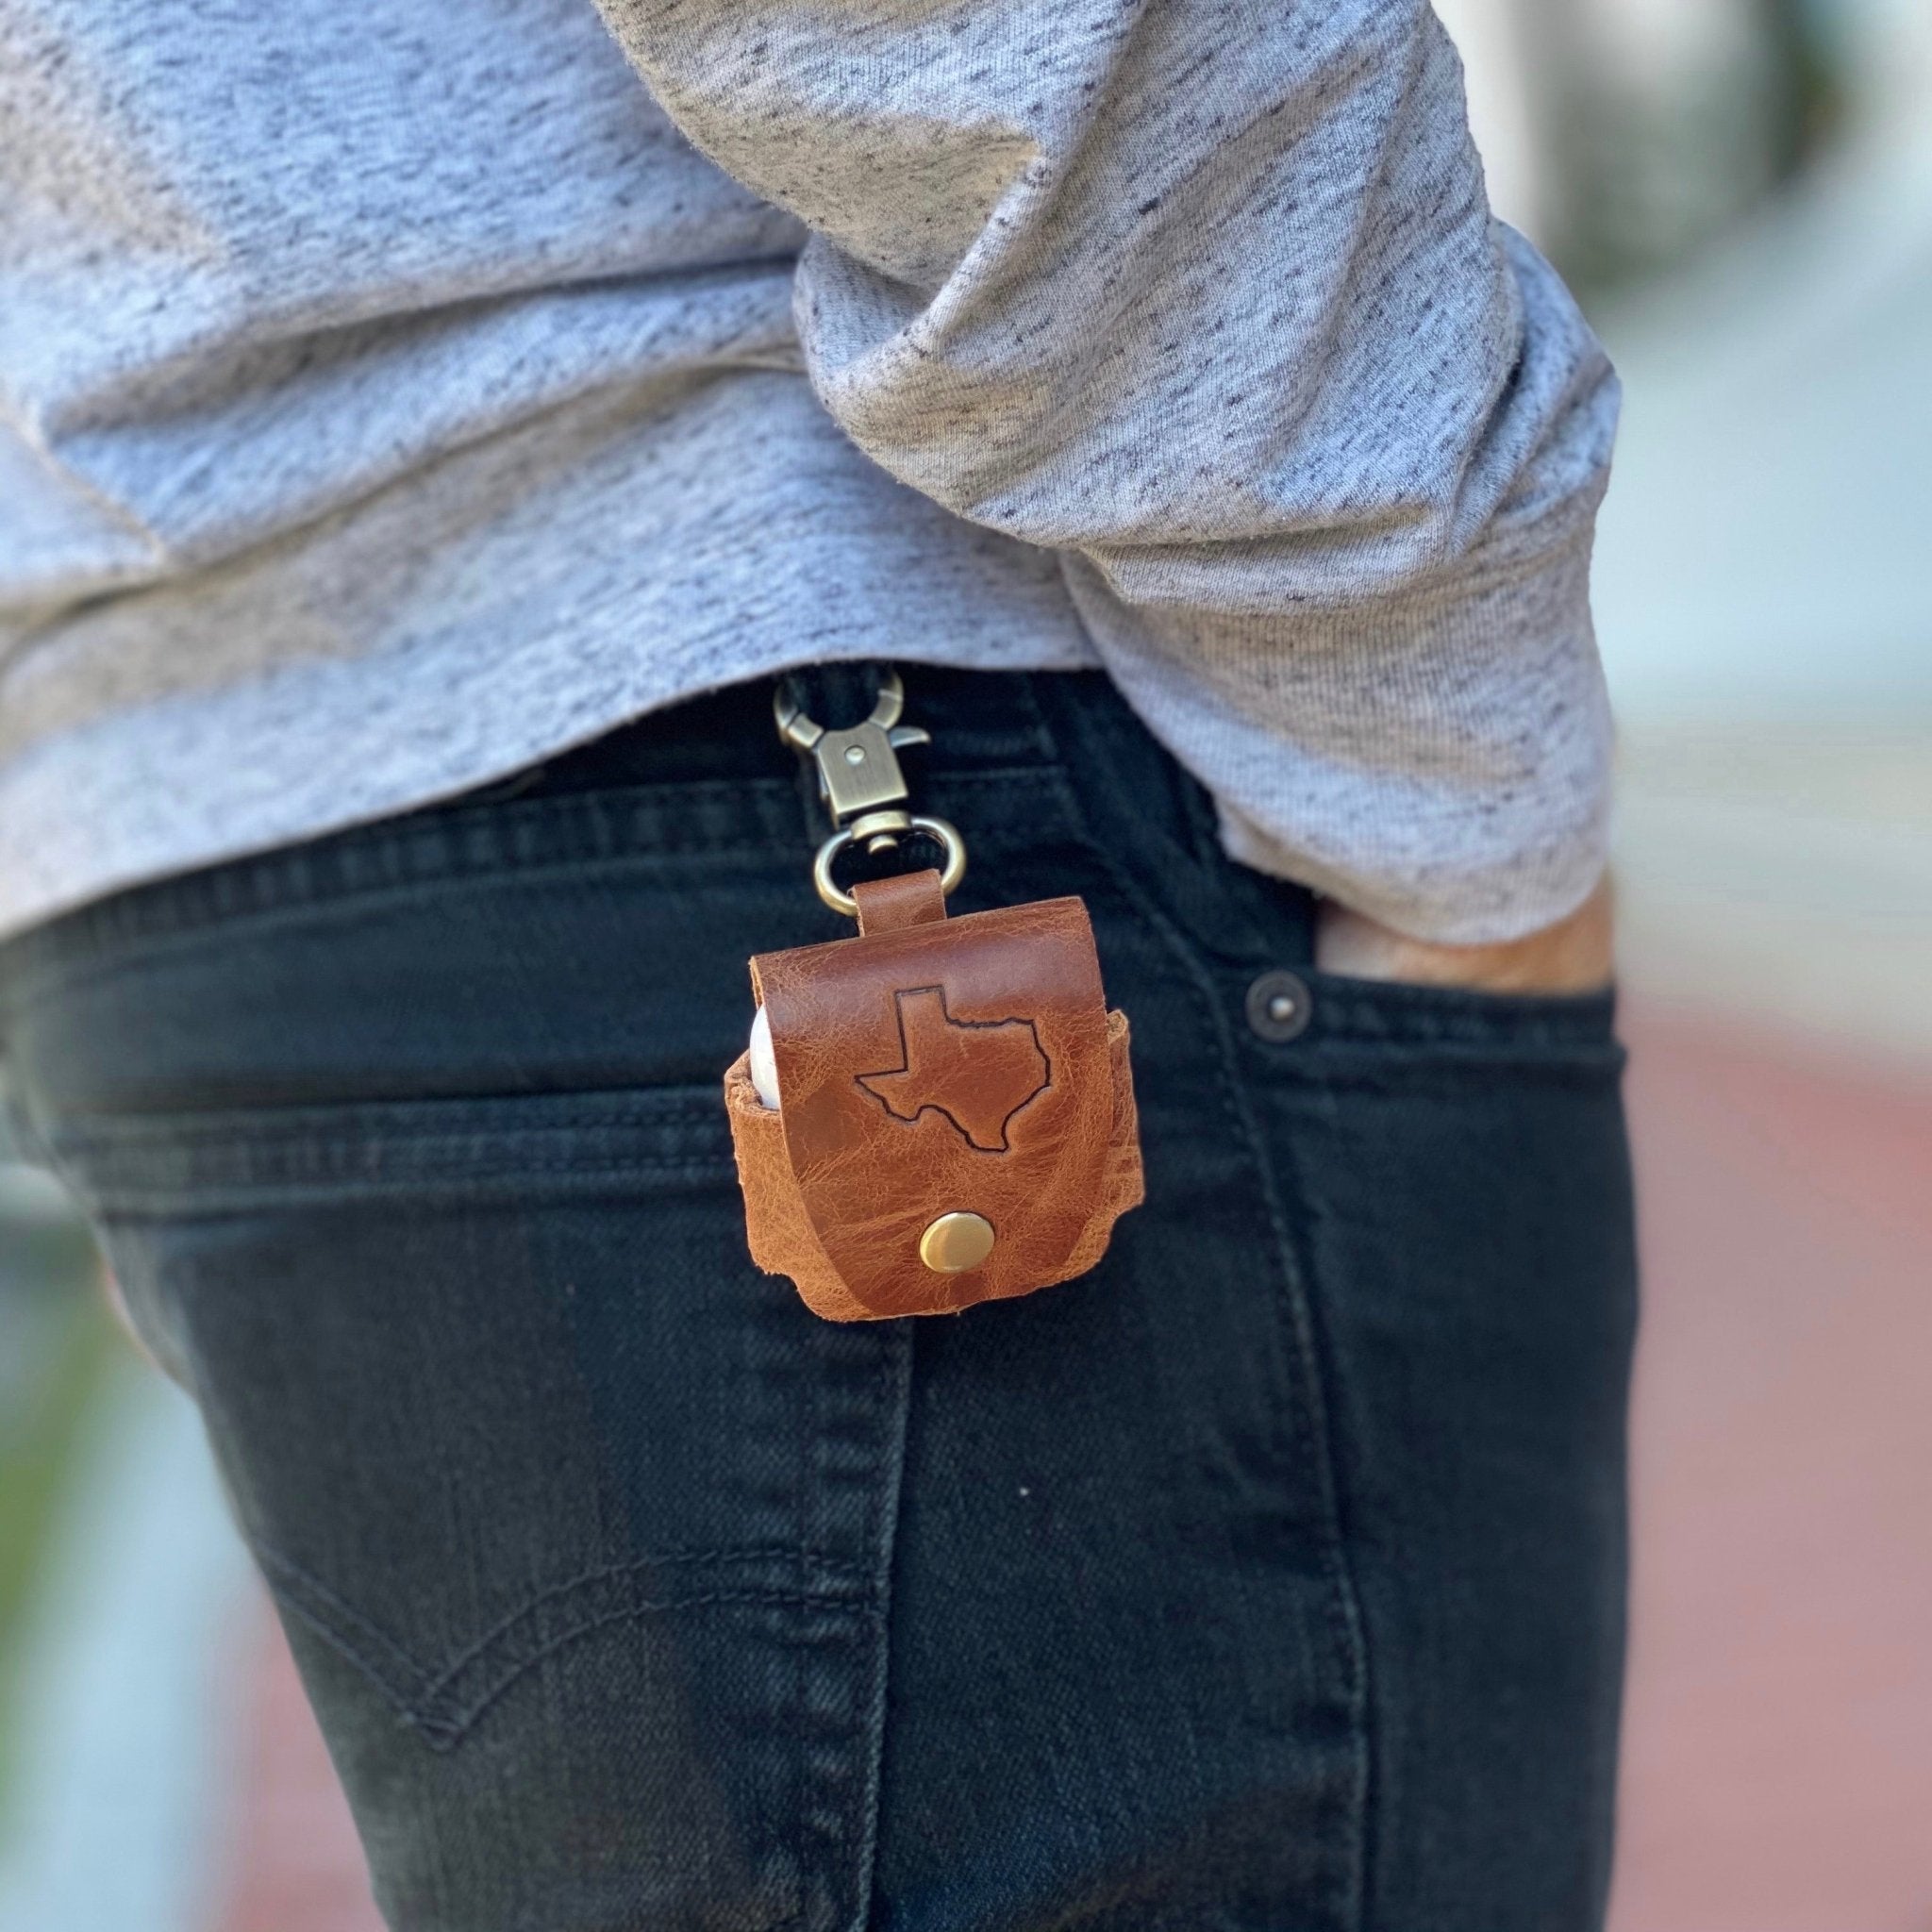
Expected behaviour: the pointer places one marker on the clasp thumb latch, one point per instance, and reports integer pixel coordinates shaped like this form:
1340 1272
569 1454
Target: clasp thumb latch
859 775
863 785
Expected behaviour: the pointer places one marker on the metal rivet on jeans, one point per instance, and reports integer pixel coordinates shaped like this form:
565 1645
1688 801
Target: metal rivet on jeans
1279 1007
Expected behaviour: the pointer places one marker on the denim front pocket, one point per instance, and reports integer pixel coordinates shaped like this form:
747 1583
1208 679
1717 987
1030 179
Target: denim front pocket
1462 1203
1455 1204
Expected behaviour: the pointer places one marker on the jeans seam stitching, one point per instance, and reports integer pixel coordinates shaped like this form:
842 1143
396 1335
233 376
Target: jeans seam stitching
895 1372
118 1201
250 1126
426 1700
132 936
447 1672
1344 1610
1309 1070
345 1627
445 1731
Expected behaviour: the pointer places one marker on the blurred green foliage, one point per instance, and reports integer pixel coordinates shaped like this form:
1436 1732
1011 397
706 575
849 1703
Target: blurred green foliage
57 1343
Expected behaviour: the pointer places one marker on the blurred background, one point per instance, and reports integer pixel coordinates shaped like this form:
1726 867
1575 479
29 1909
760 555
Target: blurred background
1741 191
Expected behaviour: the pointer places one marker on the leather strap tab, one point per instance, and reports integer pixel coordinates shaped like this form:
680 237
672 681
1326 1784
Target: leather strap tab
937 1068
912 899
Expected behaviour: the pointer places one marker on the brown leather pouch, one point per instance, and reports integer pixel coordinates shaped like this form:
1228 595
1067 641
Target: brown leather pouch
956 1117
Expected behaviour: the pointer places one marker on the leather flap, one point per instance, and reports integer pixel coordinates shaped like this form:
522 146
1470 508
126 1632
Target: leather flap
959 1066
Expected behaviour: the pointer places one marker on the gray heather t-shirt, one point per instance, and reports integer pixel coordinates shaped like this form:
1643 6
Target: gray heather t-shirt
392 395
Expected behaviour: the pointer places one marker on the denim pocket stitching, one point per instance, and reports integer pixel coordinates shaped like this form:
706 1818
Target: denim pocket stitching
830 1566
117 1200
132 1206
97 942
1413 1067
131 1168
452 1703
1398 1013
346 1630
252 1126
444 1705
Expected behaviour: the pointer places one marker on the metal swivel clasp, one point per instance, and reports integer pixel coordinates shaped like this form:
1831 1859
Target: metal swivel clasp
864 788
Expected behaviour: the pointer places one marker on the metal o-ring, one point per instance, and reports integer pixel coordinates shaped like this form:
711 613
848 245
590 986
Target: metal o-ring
946 836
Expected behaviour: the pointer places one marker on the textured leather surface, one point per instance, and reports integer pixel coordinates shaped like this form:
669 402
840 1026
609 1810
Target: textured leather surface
784 1243
912 899
934 1067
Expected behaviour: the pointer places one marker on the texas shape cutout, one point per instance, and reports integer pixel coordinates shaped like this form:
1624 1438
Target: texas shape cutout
977 1072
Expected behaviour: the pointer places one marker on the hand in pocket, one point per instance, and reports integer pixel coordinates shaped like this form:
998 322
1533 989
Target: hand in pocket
1573 956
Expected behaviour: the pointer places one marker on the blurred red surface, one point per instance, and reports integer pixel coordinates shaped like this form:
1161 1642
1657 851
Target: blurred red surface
1778 1741
1778 1759
293 1861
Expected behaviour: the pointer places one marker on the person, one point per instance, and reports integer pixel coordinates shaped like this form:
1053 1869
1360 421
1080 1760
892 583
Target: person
427 435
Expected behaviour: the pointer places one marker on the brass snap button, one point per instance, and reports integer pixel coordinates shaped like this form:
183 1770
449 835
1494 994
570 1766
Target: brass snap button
1279 1007
955 1242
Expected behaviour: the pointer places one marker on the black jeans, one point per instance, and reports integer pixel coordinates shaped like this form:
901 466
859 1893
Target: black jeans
1270 1577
